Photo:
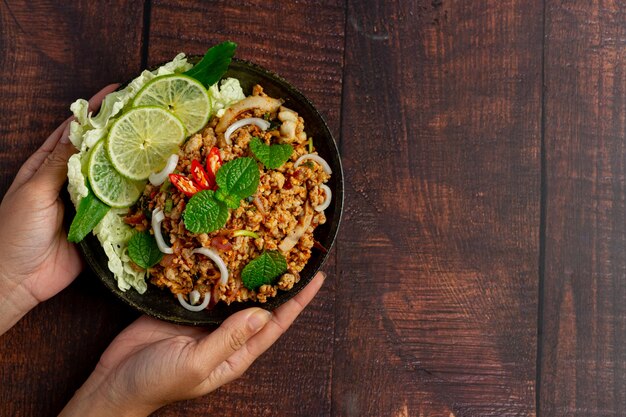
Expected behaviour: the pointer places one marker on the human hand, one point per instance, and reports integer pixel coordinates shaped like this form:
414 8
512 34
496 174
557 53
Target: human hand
153 363
36 260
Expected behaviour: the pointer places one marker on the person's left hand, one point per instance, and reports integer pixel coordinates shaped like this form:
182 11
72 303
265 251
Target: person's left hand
36 260
153 363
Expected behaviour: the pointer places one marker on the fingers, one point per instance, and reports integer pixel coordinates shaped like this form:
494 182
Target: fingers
31 165
60 135
230 337
52 173
96 100
283 317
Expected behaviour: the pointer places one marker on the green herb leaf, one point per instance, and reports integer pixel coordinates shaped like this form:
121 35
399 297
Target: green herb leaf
90 211
214 64
263 270
239 178
143 250
272 156
205 214
230 200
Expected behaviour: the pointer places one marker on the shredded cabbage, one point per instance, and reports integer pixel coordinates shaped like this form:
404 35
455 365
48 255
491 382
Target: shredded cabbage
85 132
76 180
114 235
228 93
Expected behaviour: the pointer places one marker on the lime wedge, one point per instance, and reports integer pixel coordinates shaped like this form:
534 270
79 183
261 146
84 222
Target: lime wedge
142 139
107 184
182 95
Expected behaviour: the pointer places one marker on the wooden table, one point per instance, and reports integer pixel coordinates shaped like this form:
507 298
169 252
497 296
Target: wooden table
481 263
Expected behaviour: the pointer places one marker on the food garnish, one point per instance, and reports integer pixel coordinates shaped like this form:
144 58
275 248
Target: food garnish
263 270
272 156
328 194
260 123
109 185
143 250
159 178
213 163
194 308
214 64
207 211
182 95
200 176
89 213
204 213
184 184
316 158
140 141
157 219
238 179
248 233
215 257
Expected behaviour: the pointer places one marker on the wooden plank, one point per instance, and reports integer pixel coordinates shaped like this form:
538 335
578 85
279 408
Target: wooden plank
583 366
51 54
440 243
303 42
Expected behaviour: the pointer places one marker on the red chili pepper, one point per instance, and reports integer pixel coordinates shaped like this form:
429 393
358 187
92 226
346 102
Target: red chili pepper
200 176
213 163
184 184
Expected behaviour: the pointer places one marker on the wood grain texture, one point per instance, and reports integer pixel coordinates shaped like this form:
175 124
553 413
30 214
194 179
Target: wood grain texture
438 254
51 54
303 42
583 367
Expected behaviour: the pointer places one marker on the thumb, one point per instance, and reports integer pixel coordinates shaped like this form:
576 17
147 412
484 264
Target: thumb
231 336
52 173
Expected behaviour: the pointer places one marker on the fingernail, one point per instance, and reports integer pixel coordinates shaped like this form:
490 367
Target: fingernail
323 275
65 137
258 319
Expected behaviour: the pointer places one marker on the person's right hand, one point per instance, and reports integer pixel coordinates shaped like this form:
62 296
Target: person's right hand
153 363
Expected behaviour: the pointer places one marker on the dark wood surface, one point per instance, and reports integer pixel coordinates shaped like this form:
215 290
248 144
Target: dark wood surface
480 268
583 363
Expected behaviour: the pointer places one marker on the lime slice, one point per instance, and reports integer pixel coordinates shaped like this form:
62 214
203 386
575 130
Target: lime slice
142 139
180 94
107 184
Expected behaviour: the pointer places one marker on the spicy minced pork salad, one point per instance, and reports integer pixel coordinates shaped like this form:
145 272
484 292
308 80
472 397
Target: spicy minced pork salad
192 186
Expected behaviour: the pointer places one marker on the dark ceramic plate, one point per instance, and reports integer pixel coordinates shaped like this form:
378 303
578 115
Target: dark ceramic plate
161 304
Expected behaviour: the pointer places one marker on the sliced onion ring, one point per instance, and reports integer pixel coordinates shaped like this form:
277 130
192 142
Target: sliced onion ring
218 261
199 307
316 158
194 297
329 197
263 124
157 218
158 178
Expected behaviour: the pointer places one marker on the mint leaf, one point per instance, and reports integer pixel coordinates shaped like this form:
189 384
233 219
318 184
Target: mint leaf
272 156
89 213
214 64
263 270
204 214
143 250
231 201
239 178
